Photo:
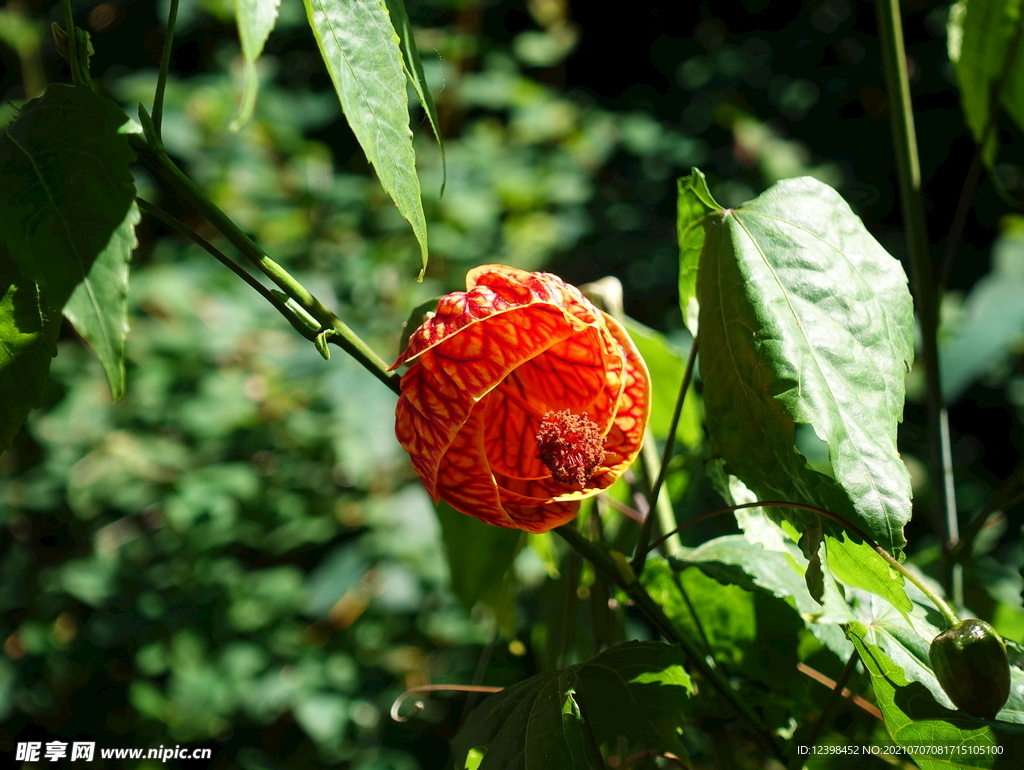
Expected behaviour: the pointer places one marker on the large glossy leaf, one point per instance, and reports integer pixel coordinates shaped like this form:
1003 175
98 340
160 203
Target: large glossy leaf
98 307
361 49
636 690
981 41
256 20
805 318
65 186
28 334
479 558
933 735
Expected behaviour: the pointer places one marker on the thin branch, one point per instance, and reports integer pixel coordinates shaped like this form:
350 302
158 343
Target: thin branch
829 710
418 705
165 66
622 508
645 529
817 676
339 333
908 167
233 266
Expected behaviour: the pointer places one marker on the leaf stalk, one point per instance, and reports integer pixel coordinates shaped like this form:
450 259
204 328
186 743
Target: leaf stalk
157 159
947 612
666 455
165 66
908 167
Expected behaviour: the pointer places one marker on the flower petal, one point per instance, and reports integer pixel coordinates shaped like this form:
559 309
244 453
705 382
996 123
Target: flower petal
494 289
440 390
464 481
633 410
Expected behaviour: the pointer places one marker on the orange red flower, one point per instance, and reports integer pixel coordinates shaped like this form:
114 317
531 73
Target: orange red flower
521 399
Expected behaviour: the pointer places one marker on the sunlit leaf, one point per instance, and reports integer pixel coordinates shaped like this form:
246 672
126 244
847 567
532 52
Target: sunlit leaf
933 735
990 322
414 69
256 20
65 186
98 307
362 53
805 318
782 574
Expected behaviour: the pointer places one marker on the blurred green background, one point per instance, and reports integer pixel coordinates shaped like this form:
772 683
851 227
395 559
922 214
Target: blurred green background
239 554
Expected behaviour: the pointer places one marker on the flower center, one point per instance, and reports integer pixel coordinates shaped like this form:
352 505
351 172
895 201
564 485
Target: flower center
570 446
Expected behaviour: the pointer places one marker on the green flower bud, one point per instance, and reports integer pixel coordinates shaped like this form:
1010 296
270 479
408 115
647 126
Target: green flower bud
971 665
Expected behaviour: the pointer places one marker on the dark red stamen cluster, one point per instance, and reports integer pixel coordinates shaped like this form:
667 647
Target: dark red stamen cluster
570 446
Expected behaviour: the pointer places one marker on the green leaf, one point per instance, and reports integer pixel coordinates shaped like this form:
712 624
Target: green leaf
414 70
65 186
98 307
533 725
256 20
781 574
933 735
694 205
362 53
640 691
667 365
29 326
805 318
479 558
982 38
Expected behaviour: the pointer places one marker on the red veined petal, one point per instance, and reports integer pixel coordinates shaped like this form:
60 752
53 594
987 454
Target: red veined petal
633 410
506 289
441 388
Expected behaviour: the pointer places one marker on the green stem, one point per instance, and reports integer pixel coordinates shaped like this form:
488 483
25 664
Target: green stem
299 325
908 169
341 334
622 575
666 455
940 604
73 59
165 66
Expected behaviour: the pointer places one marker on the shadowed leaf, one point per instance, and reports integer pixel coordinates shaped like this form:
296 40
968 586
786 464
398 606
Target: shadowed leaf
65 185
